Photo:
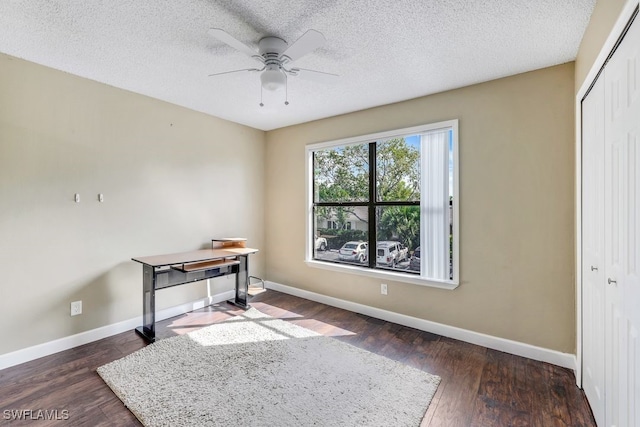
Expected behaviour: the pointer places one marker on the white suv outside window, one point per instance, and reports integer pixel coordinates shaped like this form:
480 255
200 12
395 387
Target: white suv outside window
390 253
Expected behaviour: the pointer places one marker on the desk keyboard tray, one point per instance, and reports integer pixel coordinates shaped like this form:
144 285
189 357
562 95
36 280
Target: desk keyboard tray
205 265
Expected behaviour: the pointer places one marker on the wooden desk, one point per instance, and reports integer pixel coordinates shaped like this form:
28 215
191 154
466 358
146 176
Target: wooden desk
228 256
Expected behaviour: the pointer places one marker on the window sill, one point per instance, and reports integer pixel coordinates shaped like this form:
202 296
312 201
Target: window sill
381 274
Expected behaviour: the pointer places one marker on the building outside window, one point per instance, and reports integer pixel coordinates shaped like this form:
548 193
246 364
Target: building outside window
388 202
337 225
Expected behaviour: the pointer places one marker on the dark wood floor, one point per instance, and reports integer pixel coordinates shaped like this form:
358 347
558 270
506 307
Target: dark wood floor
480 387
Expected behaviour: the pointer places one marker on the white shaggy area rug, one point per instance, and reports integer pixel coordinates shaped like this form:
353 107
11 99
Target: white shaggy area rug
254 370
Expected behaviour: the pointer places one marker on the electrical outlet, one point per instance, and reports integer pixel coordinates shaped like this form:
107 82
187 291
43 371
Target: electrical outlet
76 308
383 288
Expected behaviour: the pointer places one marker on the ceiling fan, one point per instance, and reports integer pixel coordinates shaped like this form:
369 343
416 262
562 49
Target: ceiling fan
276 57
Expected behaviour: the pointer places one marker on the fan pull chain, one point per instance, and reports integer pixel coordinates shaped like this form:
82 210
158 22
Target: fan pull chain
261 104
286 89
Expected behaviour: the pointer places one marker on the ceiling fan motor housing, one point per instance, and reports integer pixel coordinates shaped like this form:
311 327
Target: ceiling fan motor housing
268 45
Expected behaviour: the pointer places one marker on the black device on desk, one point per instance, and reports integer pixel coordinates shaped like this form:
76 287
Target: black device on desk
226 256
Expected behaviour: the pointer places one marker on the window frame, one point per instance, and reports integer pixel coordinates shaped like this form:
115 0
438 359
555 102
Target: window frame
395 275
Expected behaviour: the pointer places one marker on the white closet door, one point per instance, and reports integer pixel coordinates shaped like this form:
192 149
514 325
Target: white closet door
593 279
622 215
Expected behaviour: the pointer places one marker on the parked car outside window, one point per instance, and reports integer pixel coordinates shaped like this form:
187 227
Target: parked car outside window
414 262
390 253
353 251
321 243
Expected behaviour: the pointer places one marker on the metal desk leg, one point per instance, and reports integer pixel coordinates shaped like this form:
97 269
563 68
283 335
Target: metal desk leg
148 328
242 283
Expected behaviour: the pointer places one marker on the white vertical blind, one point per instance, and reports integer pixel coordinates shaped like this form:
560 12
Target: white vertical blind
434 205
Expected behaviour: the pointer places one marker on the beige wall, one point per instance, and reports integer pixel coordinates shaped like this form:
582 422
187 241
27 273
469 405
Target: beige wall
602 20
172 179
516 209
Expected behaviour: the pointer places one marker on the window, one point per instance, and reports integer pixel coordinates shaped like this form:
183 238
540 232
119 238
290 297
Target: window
387 203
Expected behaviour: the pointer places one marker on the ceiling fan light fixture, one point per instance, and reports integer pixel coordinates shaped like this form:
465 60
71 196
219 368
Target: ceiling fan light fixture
273 79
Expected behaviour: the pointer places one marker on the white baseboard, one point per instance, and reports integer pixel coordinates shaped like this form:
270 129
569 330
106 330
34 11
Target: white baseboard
565 360
51 347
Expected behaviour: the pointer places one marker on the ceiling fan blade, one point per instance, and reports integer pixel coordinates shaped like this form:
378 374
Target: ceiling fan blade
227 38
308 42
234 71
318 76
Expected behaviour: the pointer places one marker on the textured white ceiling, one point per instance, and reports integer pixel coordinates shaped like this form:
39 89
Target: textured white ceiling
384 51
